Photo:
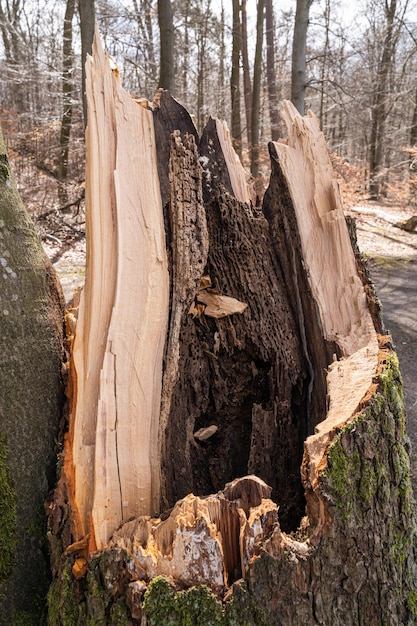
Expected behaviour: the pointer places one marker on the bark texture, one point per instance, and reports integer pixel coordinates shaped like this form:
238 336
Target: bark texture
285 488
31 402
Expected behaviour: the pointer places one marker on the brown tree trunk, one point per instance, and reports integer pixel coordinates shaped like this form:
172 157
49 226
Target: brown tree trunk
271 72
247 86
166 47
261 366
87 13
67 90
236 128
379 105
299 52
256 92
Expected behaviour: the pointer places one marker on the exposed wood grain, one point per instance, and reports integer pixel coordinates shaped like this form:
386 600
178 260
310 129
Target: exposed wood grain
123 314
332 274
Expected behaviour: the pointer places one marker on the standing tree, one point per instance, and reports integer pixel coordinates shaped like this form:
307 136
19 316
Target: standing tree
87 24
31 400
67 101
247 86
256 91
271 72
298 63
380 106
166 49
236 128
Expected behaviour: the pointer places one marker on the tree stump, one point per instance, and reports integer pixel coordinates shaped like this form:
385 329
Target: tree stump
236 451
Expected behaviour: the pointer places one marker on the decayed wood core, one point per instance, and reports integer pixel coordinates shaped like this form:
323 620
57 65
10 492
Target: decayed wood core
215 339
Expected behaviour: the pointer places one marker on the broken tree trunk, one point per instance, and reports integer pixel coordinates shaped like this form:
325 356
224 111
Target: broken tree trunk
236 451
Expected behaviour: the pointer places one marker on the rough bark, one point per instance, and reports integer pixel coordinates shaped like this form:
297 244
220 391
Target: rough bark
279 393
31 402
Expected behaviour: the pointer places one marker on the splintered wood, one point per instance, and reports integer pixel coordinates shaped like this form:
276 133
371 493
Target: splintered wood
332 273
122 320
149 308
204 540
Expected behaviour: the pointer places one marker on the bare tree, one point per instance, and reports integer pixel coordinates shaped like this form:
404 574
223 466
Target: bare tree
166 33
236 127
247 86
256 93
67 101
298 65
271 71
380 98
87 24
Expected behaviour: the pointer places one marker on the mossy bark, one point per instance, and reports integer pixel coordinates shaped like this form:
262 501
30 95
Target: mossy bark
360 571
31 399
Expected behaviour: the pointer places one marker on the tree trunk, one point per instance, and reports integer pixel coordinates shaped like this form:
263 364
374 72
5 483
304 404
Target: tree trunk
259 373
67 89
256 93
247 87
236 128
379 105
271 72
86 9
31 401
166 38
298 59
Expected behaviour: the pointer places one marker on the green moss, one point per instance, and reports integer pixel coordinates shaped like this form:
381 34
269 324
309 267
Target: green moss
7 514
242 610
159 603
198 606
412 602
343 473
62 605
391 384
195 607
368 484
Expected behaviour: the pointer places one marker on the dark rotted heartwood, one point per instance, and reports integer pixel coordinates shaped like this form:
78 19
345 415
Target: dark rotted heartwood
258 376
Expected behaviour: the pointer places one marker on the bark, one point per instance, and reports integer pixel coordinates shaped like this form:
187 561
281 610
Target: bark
247 86
67 88
166 38
31 402
271 72
256 91
236 128
86 10
279 394
379 104
299 48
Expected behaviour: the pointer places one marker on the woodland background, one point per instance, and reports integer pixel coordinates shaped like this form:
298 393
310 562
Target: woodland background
231 59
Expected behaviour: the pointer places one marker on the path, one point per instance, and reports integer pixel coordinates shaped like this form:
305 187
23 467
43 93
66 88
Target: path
392 262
